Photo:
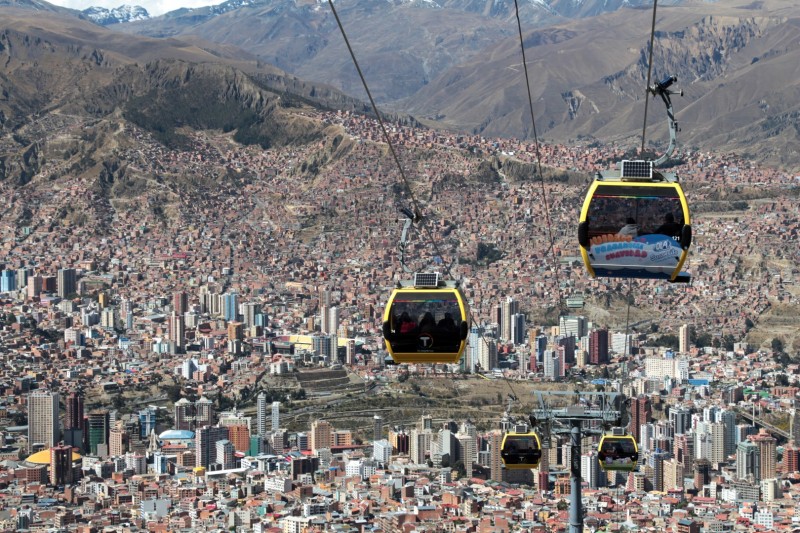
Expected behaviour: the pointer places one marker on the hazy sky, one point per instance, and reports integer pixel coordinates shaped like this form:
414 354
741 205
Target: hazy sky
154 7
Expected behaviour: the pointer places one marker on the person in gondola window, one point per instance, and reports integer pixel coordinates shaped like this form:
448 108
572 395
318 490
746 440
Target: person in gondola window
669 227
407 324
630 229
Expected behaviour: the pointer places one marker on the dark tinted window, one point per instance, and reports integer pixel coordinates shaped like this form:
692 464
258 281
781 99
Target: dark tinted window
611 206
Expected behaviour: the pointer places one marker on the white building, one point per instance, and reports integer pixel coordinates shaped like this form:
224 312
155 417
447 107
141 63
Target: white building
382 451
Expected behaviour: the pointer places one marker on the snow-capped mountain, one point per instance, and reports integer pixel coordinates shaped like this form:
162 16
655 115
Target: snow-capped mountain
123 13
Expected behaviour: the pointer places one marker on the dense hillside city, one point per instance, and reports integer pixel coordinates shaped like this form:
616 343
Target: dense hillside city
202 349
200 253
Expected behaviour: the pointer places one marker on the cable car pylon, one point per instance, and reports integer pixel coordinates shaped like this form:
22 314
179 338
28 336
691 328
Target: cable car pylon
603 407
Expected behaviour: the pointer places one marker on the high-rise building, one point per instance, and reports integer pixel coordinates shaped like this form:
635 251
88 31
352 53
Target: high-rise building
467 451
382 451
249 310
553 365
73 420
235 331
184 414
573 326
767 453
126 314
321 435
508 308
622 344
180 302
224 454
681 419
702 473
43 426
147 421
333 321
206 439
66 282
590 470
22 277
108 318
230 303
475 340
276 416
61 465
683 338
177 330
205 414
673 474
98 431
748 461
495 460
794 424
261 414
239 437
487 354
791 458
118 440
34 286
8 281
420 442
598 347
74 407
640 414
728 420
518 329
717 443
377 428
683 449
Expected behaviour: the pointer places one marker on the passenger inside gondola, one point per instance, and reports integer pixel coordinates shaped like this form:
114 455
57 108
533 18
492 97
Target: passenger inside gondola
669 227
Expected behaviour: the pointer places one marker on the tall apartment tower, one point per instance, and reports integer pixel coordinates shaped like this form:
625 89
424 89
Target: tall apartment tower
98 431
377 428
66 282
177 330
205 414
74 407
321 435
118 440
183 414
73 420
206 440
681 419
261 414
517 329
487 354
42 419
767 453
683 338
508 309
180 302
794 424
61 465
333 321
230 306
598 347
276 416
495 461
641 413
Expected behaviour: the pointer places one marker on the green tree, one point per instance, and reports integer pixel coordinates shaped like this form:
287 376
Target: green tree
777 345
562 505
